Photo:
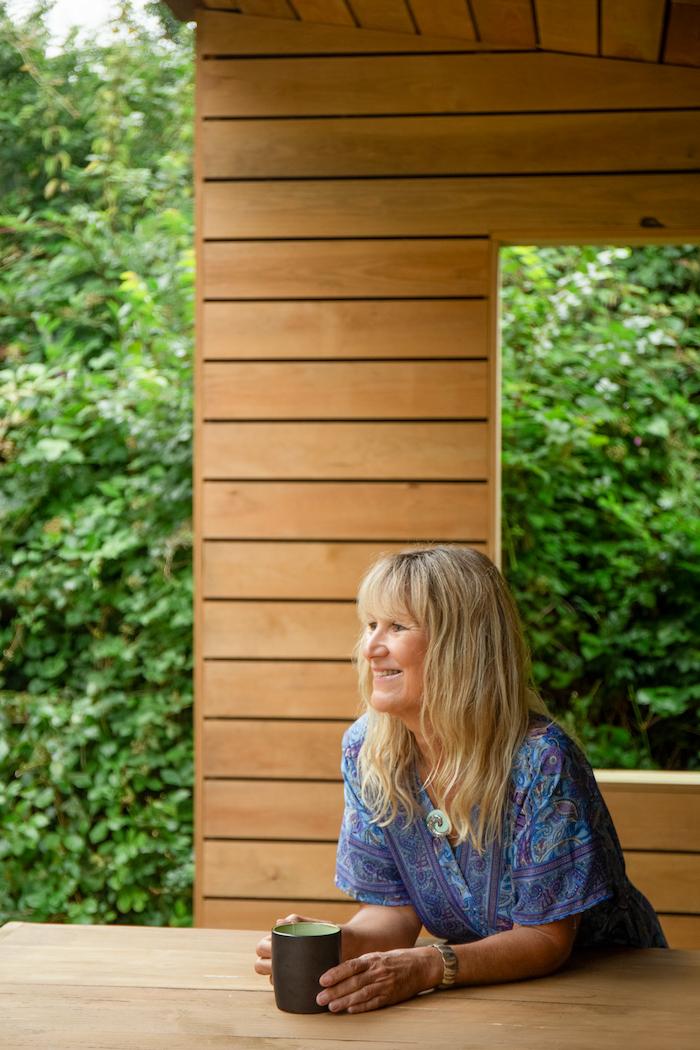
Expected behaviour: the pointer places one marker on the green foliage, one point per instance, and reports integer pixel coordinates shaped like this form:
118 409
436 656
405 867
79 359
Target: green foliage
601 355
95 444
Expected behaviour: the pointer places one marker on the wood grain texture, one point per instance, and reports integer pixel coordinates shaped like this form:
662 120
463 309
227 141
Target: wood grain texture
344 268
682 931
288 570
474 83
564 26
384 328
632 28
254 869
266 8
334 451
671 881
446 18
345 390
649 818
201 991
683 34
450 145
410 511
278 689
420 207
391 15
221 33
248 914
279 630
233 807
508 21
328 12
276 750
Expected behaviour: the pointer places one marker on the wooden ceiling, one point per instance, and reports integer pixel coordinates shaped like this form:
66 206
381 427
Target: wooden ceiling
662 31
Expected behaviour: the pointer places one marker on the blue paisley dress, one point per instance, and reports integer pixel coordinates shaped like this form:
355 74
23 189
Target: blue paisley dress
558 855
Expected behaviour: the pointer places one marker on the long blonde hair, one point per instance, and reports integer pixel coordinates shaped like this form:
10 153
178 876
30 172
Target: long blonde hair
477 698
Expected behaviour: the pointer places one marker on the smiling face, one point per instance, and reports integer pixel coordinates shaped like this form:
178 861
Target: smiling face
395 650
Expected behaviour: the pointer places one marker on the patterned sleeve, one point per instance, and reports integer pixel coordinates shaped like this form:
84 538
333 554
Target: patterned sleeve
365 869
560 858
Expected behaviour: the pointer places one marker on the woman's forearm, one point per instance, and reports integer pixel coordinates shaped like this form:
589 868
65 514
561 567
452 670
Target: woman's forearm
524 951
379 928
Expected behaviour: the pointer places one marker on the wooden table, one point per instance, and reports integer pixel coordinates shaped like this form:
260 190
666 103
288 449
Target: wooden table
141 988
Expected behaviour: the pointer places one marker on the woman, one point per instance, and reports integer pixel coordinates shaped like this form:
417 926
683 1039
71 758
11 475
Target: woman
467 809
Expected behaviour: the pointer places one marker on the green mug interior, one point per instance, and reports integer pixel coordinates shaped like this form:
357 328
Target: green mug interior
306 929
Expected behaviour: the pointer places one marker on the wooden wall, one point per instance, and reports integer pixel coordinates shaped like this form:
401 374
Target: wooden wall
352 197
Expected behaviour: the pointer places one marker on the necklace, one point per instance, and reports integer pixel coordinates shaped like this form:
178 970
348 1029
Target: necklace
438 823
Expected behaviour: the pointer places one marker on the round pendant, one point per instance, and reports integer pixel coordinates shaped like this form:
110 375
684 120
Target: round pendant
438 823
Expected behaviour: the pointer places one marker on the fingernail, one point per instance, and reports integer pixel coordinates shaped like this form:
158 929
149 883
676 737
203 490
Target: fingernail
322 999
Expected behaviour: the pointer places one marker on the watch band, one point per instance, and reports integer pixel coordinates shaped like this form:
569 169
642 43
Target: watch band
450 964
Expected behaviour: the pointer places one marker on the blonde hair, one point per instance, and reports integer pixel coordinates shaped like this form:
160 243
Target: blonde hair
476 701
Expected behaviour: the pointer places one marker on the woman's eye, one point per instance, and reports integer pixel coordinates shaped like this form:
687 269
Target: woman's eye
398 627
371 627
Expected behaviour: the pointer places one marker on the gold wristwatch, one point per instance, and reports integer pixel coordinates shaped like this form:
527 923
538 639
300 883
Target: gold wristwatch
450 965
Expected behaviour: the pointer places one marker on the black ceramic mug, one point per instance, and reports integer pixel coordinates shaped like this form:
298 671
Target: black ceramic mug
301 952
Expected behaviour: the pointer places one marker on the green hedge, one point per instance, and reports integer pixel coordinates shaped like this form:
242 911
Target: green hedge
96 270
601 510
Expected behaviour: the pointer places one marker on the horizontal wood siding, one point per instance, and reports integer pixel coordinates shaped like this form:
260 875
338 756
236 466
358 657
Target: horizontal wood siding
345 329
351 187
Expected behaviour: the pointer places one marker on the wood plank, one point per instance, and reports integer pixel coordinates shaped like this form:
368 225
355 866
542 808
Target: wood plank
411 511
247 914
682 931
563 26
233 807
384 328
221 33
345 390
449 145
349 451
604 1001
278 689
632 28
391 15
324 269
288 570
252 869
266 8
279 630
507 21
474 83
411 207
642 779
447 18
655 819
671 881
311 750
683 34
329 12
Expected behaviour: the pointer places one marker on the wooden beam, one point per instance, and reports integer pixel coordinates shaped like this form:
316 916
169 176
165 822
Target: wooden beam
335 390
451 145
279 689
321 269
409 510
407 207
415 84
382 328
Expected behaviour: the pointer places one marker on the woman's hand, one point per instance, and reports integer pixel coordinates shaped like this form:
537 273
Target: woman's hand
263 949
379 979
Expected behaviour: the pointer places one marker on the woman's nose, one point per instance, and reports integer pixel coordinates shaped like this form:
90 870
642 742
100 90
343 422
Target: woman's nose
374 644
